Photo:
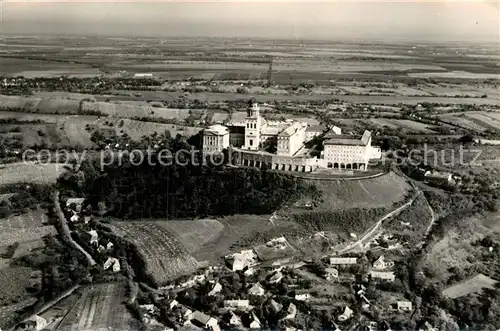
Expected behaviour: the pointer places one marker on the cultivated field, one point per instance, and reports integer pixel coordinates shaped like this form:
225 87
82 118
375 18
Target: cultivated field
405 124
99 307
30 116
381 191
485 119
30 173
12 236
165 256
193 234
133 109
29 220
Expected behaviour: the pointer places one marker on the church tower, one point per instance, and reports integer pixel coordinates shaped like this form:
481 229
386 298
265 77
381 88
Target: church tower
253 124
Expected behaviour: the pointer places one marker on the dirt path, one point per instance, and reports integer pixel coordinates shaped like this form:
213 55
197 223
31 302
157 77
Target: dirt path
433 219
66 233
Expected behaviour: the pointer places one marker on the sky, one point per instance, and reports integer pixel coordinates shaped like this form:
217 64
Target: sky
416 20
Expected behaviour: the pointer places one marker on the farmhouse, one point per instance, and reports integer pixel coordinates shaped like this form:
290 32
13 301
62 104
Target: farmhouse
381 264
36 323
204 320
331 273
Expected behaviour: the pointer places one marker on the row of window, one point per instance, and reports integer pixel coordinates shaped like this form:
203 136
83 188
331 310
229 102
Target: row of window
251 125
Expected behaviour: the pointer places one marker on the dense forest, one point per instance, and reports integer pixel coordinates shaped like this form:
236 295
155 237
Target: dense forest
159 191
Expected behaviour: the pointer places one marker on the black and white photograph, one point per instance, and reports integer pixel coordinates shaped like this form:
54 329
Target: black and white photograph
243 165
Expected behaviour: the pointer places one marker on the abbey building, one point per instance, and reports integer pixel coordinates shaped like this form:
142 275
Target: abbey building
286 145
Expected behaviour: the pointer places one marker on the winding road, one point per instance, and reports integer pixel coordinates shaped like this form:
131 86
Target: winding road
368 235
66 233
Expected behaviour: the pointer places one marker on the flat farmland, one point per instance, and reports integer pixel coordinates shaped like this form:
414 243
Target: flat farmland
30 173
31 68
131 109
165 256
405 124
136 129
382 191
52 118
37 135
39 105
64 95
34 219
99 306
193 234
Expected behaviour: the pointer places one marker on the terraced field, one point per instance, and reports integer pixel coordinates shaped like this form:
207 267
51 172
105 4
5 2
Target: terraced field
99 307
165 256
486 119
193 234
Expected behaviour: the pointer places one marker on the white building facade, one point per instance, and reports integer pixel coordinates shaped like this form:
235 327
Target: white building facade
215 139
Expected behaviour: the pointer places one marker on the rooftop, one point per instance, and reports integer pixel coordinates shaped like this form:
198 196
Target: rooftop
350 140
218 129
316 128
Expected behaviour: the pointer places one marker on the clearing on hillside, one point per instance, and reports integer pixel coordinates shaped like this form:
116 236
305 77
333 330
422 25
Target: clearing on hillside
382 191
165 256
30 173
470 286
98 306
193 234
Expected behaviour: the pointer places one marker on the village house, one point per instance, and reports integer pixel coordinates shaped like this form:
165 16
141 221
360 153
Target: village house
438 178
93 237
276 307
237 304
276 278
36 323
216 289
112 263
346 315
256 289
381 264
234 320
291 312
343 260
383 275
331 273
254 322
74 218
302 297
404 306
241 260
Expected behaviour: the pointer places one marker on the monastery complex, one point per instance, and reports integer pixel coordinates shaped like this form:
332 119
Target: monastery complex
286 145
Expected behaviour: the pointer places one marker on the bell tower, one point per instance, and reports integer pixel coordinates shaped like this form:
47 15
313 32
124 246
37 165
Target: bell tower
253 123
